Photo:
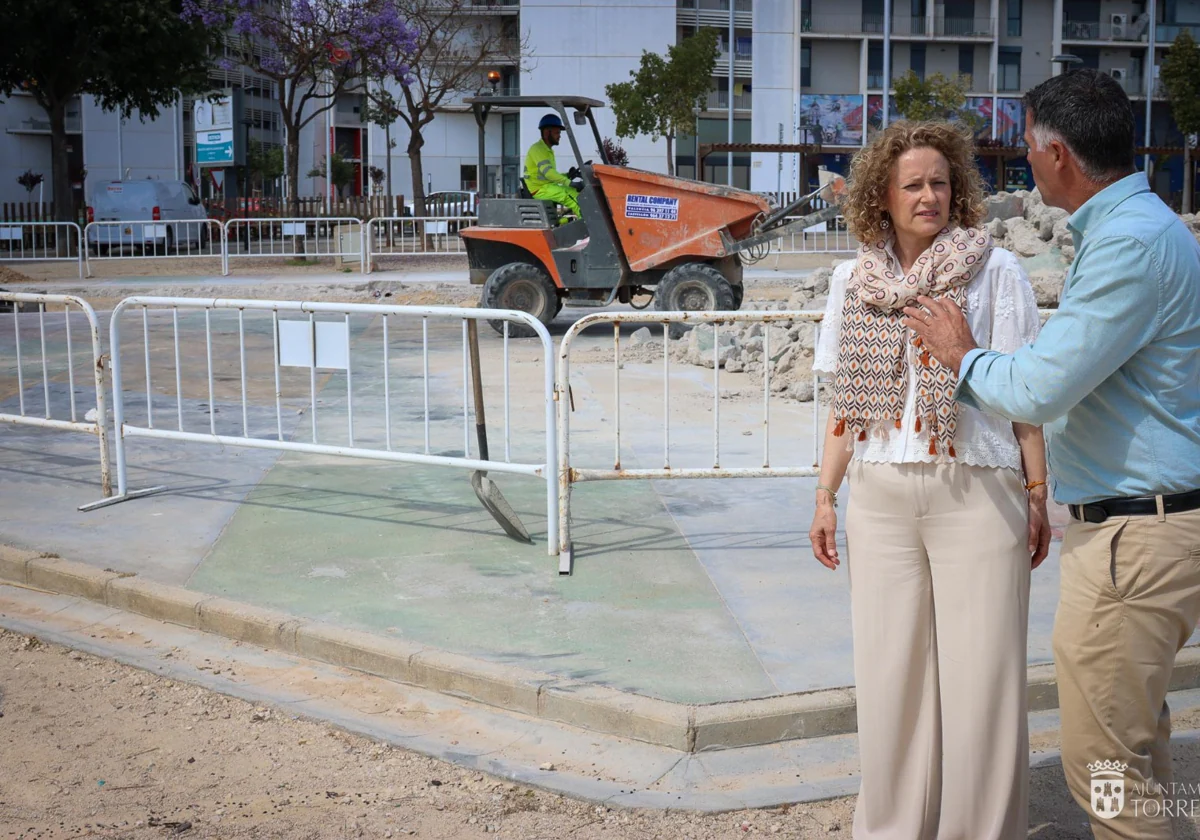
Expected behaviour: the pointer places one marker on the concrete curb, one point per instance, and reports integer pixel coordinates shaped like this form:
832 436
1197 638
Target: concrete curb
597 708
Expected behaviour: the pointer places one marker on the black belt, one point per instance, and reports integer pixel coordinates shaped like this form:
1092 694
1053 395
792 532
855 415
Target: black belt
1139 506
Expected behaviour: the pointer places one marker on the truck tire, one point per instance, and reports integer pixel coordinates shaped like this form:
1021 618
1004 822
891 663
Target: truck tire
524 287
693 287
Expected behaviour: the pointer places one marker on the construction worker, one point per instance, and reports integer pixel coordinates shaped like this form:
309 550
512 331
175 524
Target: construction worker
542 177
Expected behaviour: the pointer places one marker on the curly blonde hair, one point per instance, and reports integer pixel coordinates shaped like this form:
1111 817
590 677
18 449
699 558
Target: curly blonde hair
871 173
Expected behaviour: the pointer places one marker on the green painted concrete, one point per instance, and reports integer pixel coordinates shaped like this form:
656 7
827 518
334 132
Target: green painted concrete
408 551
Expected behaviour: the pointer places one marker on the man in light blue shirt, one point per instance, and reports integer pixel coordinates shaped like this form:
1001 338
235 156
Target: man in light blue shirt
1114 377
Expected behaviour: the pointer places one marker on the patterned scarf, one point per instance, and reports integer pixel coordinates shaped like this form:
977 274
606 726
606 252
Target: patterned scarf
871 378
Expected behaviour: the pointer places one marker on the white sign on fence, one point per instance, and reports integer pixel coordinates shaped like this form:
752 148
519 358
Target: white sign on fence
294 228
296 344
10 233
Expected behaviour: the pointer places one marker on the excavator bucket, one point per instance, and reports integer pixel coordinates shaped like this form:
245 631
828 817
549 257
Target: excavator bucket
659 218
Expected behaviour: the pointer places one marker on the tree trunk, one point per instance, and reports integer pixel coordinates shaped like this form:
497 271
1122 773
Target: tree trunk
670 155
415 142
64 204
1188 175
293 170
387 135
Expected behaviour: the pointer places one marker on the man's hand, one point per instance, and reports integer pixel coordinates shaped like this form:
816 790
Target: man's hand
943 330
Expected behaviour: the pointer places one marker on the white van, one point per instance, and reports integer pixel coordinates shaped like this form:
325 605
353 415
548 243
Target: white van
173 216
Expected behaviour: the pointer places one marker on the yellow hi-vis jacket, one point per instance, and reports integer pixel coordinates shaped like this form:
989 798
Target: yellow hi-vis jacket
541 168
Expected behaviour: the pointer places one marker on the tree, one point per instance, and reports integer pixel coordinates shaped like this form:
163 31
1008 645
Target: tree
1180 74
29 180
453 50
615 153
383 111
341 171
128 54
665 94
311 50
264 161
935 98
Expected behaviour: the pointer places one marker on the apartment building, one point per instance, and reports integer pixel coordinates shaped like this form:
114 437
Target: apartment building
818 70
792 71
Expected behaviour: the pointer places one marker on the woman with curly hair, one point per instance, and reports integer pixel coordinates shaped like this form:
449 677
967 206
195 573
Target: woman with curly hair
947 511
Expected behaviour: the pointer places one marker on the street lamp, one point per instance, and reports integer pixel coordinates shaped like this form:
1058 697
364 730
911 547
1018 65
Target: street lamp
493 78
1067 62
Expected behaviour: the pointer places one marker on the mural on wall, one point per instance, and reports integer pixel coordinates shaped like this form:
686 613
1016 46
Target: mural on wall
839 116
1010 122
979 105
875 113
981 108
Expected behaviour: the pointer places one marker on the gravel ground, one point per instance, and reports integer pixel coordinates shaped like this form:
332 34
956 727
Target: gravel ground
91 748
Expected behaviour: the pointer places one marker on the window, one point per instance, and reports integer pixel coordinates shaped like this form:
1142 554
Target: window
872 15
966 60
916 60
875 66
1009 69
805 64
1014 18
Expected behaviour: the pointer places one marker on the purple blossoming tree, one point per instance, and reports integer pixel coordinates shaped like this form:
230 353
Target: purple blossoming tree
312 50
454 49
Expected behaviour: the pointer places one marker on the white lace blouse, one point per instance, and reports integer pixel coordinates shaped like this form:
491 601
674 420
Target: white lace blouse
1002 312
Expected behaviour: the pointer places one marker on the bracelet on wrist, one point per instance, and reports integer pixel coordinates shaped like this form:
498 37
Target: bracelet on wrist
830 491
1034 484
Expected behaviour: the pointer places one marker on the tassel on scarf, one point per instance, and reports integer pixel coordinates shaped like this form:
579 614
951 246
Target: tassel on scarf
840 428
933 444
862 435
917 427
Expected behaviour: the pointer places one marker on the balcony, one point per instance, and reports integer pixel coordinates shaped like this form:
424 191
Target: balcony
714 12
41 125
841 24
1010 81
902 25
1166 33
964 27
1116 28
907 25
719 100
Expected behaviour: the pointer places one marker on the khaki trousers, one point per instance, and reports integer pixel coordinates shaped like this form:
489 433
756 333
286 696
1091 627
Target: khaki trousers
939 592
1129 600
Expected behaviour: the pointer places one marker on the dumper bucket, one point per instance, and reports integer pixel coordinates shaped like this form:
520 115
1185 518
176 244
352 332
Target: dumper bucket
660 219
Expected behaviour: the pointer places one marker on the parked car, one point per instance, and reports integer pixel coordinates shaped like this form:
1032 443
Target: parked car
161 215
447 203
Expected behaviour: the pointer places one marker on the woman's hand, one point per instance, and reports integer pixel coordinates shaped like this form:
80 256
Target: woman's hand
823 533
1039 527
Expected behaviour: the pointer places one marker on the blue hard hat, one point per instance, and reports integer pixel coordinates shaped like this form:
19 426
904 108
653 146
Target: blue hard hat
550 121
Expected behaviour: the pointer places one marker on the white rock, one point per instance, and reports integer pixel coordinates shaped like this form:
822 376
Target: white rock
642 336
1024 240
1047 285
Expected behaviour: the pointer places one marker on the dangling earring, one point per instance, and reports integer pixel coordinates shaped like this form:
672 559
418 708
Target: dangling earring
884 224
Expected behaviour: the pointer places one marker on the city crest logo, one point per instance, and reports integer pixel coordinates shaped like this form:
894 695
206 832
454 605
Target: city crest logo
1107 788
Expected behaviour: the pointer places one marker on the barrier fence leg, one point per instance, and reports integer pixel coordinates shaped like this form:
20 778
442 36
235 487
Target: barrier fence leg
123 492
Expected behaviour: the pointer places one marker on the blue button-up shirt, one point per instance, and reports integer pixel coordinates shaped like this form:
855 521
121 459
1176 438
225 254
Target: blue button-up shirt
1114 376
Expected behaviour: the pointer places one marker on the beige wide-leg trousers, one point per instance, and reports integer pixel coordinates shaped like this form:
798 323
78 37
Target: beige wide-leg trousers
1128 601
939 591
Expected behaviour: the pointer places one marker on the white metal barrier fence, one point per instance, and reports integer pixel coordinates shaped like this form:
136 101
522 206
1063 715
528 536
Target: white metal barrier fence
41 242
407 236
312 345
50 405
831 237
340 238
149 240
569 474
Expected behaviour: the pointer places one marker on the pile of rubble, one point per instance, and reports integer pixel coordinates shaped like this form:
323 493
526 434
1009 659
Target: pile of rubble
1019 222
785 347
